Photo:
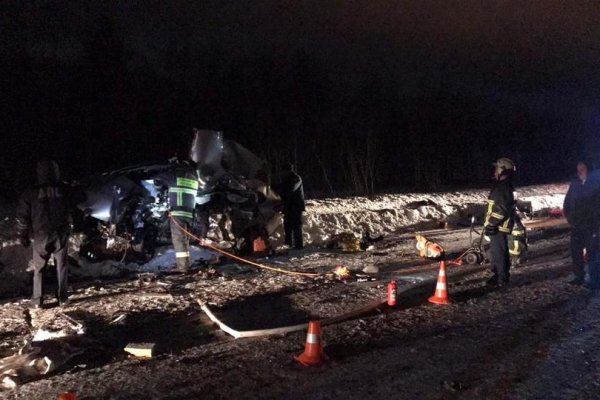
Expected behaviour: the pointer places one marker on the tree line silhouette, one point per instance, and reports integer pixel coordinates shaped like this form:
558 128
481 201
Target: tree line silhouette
348 132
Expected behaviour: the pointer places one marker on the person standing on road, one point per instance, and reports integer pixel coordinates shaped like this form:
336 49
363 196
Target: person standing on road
44 215
182 183
291 191
580 209
499 220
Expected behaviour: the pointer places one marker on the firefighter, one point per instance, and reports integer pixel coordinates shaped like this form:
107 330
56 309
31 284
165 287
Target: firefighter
499 220
580 210
44 215
182 182
518 242
291 191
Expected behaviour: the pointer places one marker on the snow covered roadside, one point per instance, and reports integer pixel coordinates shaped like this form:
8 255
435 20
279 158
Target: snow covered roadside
381 214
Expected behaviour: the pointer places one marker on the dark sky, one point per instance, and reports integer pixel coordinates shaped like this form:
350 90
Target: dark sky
538 57
514 47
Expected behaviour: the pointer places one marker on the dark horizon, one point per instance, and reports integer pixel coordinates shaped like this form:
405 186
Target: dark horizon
364 96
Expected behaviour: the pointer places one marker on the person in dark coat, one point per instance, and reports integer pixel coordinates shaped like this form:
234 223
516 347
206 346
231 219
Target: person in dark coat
580 209
499 220
44 215
291 191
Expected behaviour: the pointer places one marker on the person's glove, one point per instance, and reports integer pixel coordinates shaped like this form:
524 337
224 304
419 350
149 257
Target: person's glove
490 230
25 241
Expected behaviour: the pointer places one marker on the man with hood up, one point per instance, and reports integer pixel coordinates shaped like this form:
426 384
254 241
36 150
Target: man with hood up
580 208
291 191
44 215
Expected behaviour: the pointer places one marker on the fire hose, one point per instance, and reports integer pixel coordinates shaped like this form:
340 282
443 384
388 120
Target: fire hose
207 244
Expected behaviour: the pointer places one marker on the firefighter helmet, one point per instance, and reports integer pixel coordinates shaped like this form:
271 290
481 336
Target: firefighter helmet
505 164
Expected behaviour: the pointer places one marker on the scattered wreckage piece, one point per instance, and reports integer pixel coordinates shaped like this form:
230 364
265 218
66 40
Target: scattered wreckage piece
36 359
288 329
342 272
142 350
54 343
120 317
348 242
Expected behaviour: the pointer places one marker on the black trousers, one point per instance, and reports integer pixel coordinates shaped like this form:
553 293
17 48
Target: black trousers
499 256
202 223
292 227
45 246
582 239
181 243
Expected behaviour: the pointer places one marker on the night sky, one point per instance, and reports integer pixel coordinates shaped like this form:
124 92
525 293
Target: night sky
363 96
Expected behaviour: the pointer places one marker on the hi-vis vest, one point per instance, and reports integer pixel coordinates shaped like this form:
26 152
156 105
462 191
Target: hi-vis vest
182 194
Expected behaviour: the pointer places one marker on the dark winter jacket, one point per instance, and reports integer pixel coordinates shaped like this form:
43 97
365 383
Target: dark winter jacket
46 208
292 193
581 204
501 206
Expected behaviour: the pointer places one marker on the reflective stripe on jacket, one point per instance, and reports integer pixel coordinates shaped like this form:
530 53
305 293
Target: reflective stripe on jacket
501 207
182 192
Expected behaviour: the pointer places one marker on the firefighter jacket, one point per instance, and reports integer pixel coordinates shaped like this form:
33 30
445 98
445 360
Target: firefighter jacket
580 205
45 209
291 191
501 206
183 188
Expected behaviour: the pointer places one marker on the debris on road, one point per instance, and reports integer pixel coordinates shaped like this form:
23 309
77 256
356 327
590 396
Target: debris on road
143 350
342 272
36 359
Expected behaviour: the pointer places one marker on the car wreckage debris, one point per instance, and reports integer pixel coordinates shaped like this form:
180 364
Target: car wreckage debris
142 350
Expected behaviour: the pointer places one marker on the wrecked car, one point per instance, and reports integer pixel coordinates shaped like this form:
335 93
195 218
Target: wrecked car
126 211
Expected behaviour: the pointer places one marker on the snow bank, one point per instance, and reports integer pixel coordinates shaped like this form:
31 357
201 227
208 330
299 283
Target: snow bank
383 214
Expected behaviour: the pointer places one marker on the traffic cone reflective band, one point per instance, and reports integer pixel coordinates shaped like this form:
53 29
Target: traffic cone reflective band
313 350
441 290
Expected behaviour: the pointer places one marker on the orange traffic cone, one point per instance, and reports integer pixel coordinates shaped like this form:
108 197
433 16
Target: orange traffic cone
313 350
67 396
441 290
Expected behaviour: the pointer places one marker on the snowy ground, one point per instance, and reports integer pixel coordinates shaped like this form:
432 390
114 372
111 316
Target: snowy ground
534 340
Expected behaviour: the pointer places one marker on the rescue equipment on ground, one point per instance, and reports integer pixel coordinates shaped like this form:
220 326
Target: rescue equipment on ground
372 306
392 293
474 254
427 248
441 289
